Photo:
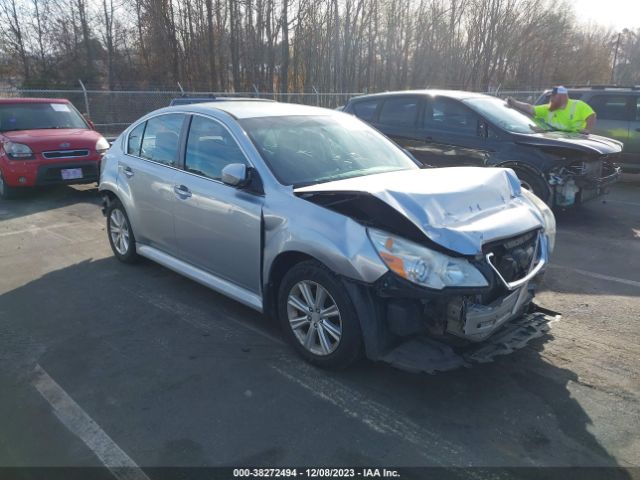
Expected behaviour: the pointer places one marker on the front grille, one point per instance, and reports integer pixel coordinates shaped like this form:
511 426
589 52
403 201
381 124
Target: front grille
65 154
52 174
513 257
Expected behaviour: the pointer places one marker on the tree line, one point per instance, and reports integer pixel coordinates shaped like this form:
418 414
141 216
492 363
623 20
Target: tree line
299 45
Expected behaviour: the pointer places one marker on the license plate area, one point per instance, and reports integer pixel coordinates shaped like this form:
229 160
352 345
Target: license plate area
71 173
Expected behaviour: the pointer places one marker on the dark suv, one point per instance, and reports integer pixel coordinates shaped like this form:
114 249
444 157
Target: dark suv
452 128
618 111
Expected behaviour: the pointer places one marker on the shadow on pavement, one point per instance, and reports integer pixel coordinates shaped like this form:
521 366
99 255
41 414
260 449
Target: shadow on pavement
42 199
151 356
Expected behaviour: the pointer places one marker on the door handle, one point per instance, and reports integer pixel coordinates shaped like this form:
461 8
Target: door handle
428 139
182 191
127 171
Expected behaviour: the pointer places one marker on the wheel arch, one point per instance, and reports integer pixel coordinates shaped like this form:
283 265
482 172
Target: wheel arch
516 166
278 269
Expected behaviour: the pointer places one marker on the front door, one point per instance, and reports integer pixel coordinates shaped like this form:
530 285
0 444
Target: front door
218 227
613 116
451 134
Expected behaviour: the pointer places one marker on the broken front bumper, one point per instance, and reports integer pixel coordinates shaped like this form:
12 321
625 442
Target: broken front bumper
583 182
428 330
424 354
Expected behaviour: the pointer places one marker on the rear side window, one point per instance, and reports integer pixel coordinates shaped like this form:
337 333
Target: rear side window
161 139
135 140
366 110
210 148
611 107
399 112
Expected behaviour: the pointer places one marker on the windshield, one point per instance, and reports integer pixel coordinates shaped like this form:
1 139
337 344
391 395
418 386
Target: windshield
36 116
304 150
497 112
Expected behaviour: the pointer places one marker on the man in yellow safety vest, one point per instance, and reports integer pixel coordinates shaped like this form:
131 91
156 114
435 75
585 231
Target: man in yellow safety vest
561 113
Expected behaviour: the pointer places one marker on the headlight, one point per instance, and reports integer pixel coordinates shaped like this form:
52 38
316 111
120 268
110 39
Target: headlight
102 146
548 218
17 151
423 266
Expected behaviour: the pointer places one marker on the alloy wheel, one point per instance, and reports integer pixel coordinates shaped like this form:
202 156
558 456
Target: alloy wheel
314 317
119 231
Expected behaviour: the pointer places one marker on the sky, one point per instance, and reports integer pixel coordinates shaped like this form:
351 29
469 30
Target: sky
617 14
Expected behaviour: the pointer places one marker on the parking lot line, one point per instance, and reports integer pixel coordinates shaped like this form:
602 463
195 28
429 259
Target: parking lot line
599 276
77 421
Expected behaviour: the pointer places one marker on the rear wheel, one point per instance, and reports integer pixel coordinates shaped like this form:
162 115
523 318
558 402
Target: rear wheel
6 191
120 235
534 183
318 316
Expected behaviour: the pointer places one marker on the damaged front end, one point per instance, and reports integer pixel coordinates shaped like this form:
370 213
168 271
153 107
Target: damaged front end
582 180
438 331
460 286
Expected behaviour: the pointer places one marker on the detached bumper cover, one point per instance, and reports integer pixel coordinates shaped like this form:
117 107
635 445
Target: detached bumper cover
424 354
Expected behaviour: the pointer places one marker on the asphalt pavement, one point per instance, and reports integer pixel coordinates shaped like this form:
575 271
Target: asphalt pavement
135 365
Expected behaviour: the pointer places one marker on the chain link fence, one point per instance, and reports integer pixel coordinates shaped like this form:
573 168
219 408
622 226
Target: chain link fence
112 111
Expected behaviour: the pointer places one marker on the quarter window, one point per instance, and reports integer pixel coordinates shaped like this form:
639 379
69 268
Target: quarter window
400 112
366 110
210 148
135 140
611 107
161 140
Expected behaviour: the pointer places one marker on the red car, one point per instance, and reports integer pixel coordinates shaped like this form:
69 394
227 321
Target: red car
45 141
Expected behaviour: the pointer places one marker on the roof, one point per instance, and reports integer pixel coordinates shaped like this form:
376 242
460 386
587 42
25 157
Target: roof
254 108
457 94
32 100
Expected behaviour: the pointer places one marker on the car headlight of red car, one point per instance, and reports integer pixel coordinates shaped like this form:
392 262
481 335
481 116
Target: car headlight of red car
17 151
102 146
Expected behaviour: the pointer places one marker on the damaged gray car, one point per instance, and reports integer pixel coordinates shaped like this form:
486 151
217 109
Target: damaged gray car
313 217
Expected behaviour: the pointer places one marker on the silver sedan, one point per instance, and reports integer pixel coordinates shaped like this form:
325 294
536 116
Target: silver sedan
316 219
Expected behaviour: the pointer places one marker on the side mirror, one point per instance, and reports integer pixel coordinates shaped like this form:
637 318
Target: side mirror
235 175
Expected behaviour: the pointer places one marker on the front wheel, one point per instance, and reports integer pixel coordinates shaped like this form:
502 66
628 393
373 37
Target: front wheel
120 235
318 316
534 183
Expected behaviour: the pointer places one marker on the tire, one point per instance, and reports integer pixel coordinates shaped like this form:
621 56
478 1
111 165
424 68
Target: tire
6 192
333 340
534 183
120 234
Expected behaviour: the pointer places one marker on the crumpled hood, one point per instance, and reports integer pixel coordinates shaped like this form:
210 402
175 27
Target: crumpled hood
459 208
593 144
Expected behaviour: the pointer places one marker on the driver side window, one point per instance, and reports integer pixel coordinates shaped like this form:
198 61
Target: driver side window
210 148
450 115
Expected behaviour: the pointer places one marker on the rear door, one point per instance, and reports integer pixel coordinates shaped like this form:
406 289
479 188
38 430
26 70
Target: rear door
148 173
398 119
218 227
451 134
